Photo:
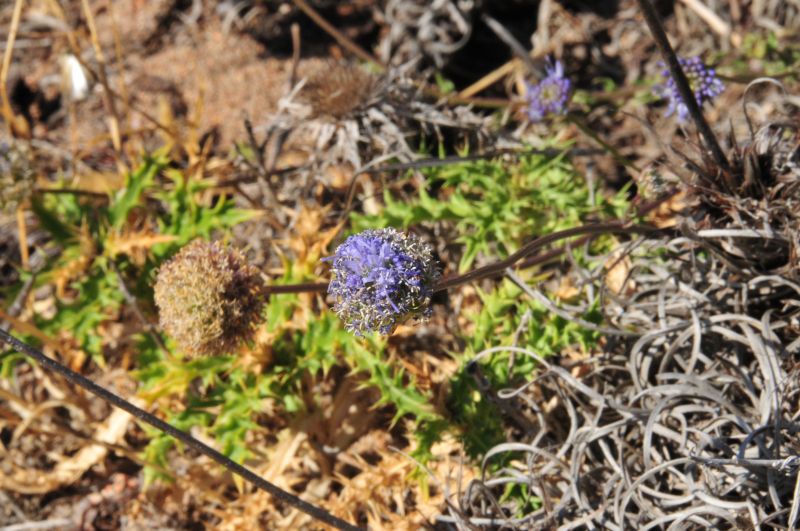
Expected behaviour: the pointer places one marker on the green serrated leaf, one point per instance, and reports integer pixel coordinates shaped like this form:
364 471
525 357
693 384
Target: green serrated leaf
130 195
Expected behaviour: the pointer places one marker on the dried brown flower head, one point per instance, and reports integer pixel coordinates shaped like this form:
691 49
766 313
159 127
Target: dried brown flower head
17 178
209 298
337 90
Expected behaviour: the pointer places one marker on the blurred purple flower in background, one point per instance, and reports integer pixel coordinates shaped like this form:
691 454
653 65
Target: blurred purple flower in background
380 279
550 95
702 79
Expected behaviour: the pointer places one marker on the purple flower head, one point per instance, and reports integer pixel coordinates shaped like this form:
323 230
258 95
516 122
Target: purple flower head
380 279
702 79
550 95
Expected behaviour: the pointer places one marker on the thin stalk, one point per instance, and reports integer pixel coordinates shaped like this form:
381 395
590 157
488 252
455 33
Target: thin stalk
8 113
23 237
148 418
496 268
308 287
113 119
684 89
348 44
614 152
343 40
458 159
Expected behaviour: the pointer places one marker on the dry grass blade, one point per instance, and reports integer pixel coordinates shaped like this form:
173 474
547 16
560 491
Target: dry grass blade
12 123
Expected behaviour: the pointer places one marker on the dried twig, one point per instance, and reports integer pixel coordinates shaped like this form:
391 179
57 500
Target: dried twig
113 119
340 37
8 113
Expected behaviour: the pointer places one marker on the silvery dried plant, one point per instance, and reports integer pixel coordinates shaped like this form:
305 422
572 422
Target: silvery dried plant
433 30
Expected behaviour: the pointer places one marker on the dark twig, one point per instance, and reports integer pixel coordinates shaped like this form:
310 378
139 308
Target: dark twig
504 35
434 162
344 41
235 468
621 159
684 89
458 159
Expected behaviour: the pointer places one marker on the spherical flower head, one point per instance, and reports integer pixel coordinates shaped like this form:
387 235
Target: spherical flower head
381 278
702 79
17 178
209 298
550 95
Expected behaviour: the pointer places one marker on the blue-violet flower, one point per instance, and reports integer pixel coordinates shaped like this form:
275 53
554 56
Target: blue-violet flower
381 278
702 79
550 95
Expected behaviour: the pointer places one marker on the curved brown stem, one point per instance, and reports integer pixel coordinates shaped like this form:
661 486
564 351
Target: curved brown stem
614 227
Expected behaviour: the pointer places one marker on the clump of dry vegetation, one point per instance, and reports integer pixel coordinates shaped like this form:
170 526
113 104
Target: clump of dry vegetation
614 339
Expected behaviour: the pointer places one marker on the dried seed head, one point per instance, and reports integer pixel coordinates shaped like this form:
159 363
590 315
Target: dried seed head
209 299
17 178
342 114
382 278
337 90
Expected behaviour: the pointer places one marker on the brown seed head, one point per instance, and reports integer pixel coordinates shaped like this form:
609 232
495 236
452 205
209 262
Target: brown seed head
17 178
209 299
337 90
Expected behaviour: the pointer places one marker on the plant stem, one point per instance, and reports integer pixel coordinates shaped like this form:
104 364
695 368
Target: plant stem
614 227
23 237
684 89
344 41
115 400
7 112
496 268
614 152
306 287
